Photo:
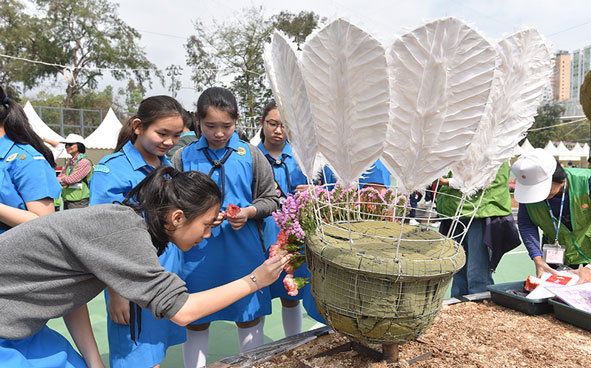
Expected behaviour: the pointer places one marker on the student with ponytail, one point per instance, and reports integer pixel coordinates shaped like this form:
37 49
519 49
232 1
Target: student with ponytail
246 180
27 179
72 255
141 147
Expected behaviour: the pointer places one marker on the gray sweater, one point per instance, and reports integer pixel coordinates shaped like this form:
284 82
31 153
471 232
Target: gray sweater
54 264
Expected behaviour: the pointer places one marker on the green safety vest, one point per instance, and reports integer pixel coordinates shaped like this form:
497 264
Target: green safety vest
75 195
496 200
577 242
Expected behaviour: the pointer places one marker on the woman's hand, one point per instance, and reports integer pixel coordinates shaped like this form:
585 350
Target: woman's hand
118 308
542 266
269 271
220 219
584 274
238 221
303 188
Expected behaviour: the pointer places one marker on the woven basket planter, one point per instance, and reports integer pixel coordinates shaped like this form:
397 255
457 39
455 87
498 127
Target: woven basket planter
369 292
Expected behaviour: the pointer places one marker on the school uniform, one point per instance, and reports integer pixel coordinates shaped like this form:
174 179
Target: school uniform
113 178
245 178
25 176
287 177
69 258
378 174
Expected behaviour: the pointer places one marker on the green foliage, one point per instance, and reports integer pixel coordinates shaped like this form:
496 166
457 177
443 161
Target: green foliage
203 64
548 115
236 50
296 26
92 36
24 36
586 96
133 95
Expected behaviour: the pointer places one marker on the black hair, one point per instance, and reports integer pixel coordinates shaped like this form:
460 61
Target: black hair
559 173
218 98
166 189
268 108
81 147
150 110
189 120
17 126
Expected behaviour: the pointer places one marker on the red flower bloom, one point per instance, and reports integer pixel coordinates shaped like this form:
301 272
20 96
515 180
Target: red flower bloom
276 249
232 211
290 285
282 237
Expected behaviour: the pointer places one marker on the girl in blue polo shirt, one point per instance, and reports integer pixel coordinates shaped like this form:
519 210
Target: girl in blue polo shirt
245 180
288 178
27 179
141 147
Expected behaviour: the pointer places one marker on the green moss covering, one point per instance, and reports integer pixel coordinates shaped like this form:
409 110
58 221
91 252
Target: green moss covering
369 294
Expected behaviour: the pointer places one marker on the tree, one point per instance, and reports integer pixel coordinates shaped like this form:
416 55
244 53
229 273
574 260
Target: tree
173 71
24 37
298 26
548 116
203 64
236 50
94 38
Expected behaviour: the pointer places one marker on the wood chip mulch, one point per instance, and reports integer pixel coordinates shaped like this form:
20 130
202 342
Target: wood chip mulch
470 334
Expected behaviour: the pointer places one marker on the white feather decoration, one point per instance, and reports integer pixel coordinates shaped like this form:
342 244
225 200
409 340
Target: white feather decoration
345 70
441 78
283 70
523 69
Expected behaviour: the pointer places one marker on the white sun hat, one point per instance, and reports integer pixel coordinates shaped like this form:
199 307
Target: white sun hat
73 138
533 175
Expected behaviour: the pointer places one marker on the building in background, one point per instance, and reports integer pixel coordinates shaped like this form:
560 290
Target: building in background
561 76
580 65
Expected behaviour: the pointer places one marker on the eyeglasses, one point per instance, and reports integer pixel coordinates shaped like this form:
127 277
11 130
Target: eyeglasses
274 124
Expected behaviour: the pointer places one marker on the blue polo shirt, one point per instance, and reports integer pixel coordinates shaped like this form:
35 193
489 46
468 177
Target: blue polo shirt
25 175
116 174
377 173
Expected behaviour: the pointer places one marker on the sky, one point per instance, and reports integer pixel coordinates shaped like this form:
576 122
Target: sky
165 26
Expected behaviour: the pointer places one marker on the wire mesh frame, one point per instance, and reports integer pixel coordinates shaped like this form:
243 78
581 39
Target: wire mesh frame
382 307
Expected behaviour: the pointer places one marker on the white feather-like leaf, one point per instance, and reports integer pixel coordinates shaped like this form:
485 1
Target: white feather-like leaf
283 70
345 70
523 69
441 79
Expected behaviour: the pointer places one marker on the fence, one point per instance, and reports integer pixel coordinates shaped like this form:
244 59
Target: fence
84 121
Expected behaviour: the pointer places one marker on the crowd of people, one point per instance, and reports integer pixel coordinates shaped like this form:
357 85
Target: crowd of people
149 225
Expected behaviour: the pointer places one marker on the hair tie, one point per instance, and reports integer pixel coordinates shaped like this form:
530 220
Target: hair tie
5 101
174 174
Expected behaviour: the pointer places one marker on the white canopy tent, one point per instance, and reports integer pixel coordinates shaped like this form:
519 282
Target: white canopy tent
44 131
526 146
105 136
579 151
551 148
564 154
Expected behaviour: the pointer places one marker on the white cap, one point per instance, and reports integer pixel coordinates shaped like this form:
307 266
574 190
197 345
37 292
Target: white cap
533 176
73 138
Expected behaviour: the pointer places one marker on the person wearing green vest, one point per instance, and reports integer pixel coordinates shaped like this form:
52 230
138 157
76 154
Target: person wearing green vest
491 234
557 201
187 137
76 175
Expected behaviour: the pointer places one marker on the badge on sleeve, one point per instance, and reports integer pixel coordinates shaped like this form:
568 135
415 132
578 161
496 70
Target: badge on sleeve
241 151
101 168
12 157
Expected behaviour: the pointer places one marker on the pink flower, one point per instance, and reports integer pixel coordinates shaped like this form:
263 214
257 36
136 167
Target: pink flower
282 238
276 249
290 285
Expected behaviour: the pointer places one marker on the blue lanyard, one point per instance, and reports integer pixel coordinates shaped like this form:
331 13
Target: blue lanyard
554 222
